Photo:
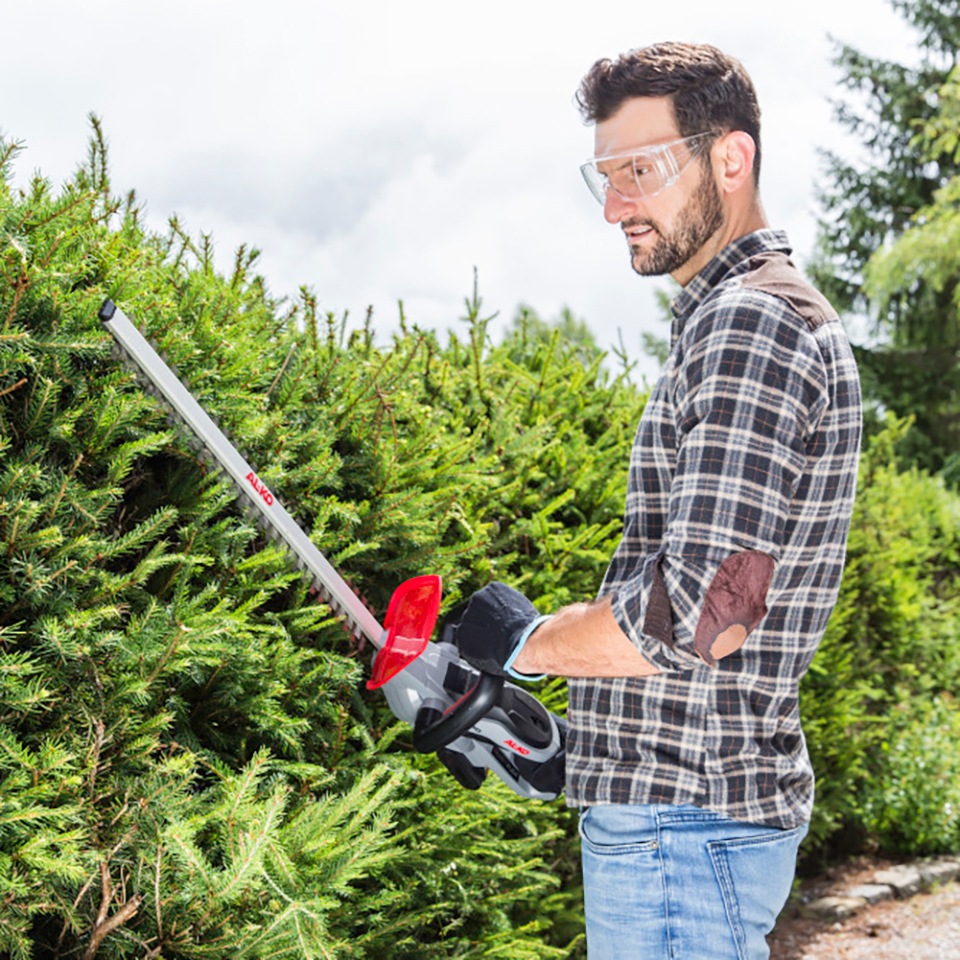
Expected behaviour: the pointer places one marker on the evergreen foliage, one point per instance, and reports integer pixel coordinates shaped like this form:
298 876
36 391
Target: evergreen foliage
904 119
189 766
888 664
879 729
923 258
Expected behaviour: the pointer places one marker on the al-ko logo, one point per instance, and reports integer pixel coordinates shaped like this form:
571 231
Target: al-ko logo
265 495
513 745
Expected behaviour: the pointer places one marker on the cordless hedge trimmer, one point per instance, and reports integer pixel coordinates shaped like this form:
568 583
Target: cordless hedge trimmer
473 721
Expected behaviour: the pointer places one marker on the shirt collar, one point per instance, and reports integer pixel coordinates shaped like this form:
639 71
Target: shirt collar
720 267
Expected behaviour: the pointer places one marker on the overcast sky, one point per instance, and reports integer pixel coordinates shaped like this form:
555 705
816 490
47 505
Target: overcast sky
381 151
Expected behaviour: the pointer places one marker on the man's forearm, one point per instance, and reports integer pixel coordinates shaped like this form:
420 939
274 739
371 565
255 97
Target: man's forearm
583 640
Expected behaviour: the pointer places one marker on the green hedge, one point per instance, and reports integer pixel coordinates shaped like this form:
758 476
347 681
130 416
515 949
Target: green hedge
189 764
186 743
878 702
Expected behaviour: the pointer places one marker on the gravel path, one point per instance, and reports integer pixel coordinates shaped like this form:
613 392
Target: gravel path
924 927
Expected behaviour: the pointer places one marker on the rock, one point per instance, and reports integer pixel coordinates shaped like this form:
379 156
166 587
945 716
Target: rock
906 880
871 892
833 908
934 872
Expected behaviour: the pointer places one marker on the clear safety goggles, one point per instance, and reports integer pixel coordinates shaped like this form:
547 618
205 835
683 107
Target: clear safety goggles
633 174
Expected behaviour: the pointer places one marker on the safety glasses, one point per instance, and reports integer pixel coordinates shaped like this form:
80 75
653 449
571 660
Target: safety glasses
633 174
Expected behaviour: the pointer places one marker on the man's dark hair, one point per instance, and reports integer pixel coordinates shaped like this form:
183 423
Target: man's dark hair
708 89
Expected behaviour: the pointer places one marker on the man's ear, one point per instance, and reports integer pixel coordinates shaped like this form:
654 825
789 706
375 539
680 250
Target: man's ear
733 157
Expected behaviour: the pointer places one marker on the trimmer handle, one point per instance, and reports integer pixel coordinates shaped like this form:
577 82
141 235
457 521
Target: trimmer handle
474 721
435 728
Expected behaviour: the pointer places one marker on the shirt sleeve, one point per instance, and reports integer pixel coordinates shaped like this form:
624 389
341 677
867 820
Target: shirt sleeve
749 391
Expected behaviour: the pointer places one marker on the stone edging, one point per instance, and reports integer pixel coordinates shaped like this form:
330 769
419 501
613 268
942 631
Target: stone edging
900 882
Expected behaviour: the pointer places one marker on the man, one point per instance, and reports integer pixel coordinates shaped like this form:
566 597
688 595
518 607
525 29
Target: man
685 751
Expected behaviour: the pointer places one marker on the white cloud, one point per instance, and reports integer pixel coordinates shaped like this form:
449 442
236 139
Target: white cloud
380 151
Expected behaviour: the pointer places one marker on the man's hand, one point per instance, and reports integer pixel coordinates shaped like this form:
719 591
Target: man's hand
494 628
581 640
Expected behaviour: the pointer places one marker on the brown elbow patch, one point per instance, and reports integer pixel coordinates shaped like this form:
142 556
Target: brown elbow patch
735 603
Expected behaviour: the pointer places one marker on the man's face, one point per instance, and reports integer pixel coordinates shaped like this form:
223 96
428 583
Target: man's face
666 233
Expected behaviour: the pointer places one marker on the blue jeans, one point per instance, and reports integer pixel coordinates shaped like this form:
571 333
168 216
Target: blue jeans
682 882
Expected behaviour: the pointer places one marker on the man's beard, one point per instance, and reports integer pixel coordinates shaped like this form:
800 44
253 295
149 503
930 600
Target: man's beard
699 220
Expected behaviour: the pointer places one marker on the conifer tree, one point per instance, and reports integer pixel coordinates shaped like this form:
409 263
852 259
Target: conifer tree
869 203
190 767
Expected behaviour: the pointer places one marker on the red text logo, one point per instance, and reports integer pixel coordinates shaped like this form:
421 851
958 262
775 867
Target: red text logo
513 745
257 485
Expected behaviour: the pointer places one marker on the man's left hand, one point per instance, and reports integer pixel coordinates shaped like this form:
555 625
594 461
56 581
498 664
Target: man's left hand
494 628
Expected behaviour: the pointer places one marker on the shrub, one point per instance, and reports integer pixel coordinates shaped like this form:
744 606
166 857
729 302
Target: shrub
912 795
892 640
190 764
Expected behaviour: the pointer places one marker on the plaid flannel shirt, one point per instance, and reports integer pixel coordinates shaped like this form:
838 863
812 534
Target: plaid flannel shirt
741 486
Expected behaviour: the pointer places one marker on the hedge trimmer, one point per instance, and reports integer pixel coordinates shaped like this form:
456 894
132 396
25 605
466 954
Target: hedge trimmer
473 721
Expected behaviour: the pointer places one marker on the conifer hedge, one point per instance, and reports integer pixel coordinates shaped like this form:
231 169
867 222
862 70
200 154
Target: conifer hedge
189 764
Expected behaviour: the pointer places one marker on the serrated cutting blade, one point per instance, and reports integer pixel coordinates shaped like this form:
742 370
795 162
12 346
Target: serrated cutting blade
255 497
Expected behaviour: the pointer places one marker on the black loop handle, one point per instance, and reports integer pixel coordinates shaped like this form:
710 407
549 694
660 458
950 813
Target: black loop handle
430 735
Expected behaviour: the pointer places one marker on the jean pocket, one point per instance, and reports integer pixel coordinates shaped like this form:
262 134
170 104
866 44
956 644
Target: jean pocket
611 831
755 874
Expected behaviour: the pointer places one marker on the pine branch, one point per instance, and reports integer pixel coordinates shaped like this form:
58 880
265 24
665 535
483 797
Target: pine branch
105 924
